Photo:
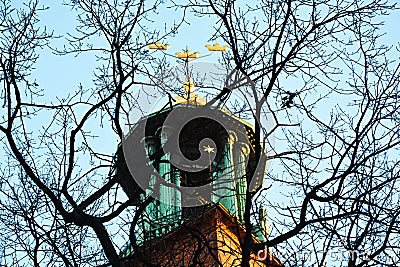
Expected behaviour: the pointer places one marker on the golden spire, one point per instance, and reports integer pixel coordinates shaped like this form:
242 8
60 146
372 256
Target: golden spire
189 85
190 97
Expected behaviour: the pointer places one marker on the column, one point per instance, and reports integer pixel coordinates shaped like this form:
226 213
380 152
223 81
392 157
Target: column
224 178
241 153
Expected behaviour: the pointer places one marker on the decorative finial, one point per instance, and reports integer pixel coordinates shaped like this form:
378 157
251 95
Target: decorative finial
158 46
217 47
187 54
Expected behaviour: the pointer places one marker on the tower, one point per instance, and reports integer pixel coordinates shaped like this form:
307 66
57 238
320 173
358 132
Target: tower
217 150
188 167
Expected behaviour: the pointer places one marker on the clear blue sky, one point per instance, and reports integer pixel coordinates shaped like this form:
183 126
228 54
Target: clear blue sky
59 75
